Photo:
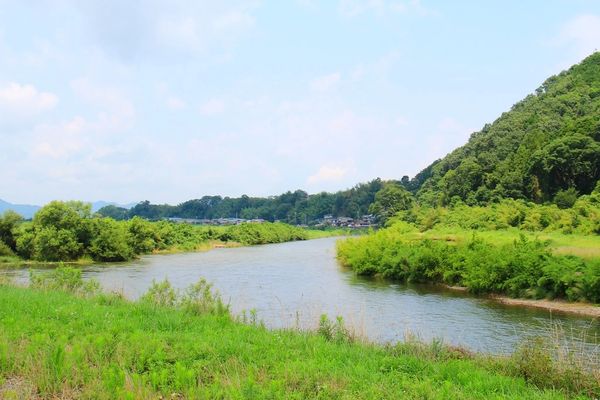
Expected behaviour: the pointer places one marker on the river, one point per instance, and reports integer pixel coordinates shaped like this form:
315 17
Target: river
292 284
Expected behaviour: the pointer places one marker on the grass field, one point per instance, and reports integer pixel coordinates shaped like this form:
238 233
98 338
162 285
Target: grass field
54 344
585 246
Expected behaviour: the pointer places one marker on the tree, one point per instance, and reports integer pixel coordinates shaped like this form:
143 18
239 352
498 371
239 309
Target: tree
141 236
568 162
60 231
114 212
8 223
52 244
110 241
389 200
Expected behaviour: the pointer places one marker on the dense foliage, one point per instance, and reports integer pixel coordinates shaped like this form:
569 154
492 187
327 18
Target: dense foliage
547 143
583 217
292 207
67 231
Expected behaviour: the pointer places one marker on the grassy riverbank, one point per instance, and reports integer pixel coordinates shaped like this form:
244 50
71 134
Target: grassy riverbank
511 262
54 344
512 248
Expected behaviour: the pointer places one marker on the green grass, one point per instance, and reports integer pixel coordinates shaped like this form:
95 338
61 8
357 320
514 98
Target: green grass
585 246
57 345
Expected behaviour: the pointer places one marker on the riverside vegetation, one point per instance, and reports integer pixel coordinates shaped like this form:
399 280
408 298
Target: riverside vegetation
63 338
514 211
67 231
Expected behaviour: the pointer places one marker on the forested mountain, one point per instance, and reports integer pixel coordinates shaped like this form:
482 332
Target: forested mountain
546 144
296 207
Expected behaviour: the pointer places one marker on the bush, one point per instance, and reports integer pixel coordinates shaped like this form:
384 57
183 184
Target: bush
5 250
65 279
110 241
565 198
52 244
197 299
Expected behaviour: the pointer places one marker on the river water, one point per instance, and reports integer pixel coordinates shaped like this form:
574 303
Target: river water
292 284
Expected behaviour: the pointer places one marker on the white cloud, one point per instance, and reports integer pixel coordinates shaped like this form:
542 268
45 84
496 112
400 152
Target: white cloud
325 83
354 8
212 107
115 110
163 30
59 141
25 100
236 20
175 103
581 33
379 69
327 173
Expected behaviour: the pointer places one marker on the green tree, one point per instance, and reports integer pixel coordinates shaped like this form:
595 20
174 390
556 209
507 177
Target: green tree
61 231
55 244
568 162
142 235
390 200
8 223
110 241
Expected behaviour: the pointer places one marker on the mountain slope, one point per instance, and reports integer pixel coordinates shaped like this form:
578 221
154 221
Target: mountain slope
547 142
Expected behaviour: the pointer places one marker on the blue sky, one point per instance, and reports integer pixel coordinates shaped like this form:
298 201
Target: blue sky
173 100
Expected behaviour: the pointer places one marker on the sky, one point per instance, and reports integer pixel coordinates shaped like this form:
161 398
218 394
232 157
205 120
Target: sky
172 100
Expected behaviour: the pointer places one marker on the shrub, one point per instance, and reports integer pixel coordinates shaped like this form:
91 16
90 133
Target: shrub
565 198
160 294
52 244
196 299
110 241
200 299
66 279
5 250
334 331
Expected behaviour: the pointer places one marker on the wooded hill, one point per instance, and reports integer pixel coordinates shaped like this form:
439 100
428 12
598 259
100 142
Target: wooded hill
546 143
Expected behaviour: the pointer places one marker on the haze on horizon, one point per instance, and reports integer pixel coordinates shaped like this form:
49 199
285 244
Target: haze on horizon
168 101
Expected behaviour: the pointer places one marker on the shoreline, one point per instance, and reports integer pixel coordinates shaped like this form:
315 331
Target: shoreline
582 309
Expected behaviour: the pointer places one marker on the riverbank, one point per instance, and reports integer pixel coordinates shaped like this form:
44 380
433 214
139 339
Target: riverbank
588 310
57 345
584 309
510 263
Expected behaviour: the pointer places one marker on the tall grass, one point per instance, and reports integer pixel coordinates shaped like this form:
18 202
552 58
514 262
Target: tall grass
54 344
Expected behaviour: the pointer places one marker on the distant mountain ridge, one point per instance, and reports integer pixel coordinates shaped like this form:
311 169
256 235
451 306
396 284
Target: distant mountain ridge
26 210
29 210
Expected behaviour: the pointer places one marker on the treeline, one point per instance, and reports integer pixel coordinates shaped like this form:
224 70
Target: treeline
68 231
545 145
581 217
291 207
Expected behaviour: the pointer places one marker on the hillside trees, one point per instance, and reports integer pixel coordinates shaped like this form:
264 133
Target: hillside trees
546 143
